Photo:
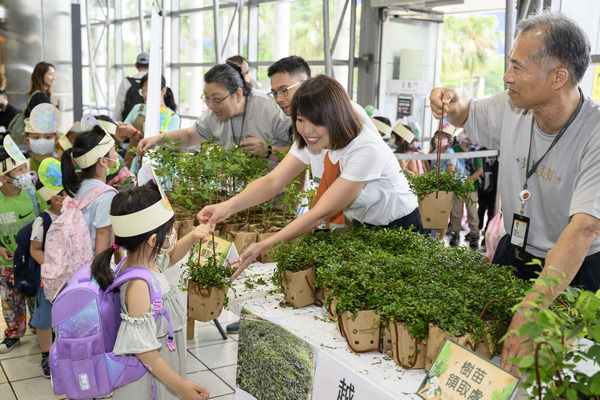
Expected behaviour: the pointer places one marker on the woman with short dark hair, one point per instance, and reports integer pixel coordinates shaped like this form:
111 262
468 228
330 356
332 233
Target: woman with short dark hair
361 180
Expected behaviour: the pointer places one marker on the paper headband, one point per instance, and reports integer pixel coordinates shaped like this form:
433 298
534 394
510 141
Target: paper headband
108 127
404 133
64 142
16 157
141 221
44 118
381 126
100 150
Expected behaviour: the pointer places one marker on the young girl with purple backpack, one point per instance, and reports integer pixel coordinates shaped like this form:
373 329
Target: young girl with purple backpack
143 225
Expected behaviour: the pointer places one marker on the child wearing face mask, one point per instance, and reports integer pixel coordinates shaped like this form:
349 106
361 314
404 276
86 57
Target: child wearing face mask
94 153
143 225
40 134
19 205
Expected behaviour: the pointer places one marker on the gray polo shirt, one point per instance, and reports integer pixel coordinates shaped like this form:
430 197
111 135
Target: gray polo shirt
566 183
264 119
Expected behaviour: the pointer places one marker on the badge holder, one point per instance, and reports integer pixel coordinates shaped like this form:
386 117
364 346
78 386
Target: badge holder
520 224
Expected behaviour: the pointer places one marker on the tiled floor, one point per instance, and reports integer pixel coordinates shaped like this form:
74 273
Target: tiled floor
211 361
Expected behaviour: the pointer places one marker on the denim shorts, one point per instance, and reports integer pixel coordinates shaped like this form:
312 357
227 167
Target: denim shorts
42 311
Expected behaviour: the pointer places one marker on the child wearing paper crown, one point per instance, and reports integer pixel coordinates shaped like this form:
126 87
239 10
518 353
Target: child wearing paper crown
143 225
18 204
49 186
40 133
94 152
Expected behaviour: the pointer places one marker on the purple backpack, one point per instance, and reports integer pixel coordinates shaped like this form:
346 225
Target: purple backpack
86 319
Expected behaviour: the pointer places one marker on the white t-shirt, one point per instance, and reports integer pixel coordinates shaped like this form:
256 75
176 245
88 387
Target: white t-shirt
567 181
37 227
96 214
386 197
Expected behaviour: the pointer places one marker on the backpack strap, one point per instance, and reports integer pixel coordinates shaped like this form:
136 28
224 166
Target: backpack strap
155 293
29 99
47 221
33 198
93 194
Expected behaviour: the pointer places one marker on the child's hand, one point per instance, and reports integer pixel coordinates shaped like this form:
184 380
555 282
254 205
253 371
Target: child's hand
190 390
4 253
201 233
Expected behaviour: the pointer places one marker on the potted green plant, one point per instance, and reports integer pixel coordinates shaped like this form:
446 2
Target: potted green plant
435 194
295 273
207 280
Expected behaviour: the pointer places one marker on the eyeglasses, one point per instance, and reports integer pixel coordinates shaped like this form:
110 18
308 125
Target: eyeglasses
283 92
213 102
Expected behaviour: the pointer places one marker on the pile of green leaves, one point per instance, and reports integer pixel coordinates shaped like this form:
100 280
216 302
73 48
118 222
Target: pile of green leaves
209 274
215 174
550 370
407 277
450 181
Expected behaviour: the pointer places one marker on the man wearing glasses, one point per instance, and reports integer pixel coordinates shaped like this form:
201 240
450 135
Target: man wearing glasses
286 76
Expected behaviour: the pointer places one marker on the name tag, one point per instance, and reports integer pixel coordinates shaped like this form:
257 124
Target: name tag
519 231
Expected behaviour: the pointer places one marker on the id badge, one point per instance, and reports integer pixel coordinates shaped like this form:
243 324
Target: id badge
519 231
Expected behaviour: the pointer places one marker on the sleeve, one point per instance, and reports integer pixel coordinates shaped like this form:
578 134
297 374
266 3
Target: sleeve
301 154
484 122
586 194
136 335
37 230
280 125
453 161
133 114
120 101
101 216
362 163
202 126
477 163
174 124
42 204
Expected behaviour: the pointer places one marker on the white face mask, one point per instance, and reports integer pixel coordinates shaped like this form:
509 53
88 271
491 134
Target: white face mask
172 238
24 181
41 146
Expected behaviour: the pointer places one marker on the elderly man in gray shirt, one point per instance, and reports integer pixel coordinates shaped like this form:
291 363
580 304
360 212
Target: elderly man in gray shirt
548 133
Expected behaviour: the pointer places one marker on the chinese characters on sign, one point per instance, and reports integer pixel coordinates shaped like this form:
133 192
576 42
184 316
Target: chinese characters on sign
404 106
346 391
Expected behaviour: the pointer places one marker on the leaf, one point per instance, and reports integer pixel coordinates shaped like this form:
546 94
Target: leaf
526 361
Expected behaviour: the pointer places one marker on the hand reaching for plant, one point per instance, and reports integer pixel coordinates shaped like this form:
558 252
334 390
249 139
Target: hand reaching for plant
252 145
213 214
191 390
246 258
201 233
513 347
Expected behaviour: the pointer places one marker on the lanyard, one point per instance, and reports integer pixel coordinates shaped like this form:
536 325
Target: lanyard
237 140
536 164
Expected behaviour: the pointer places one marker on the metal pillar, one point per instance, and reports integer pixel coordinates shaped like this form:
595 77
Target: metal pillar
350 86
217 32
509 28
252 33
235 11
76 56
141 25
175 51
326 45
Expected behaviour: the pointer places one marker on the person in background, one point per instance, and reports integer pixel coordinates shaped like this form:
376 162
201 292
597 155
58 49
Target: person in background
42 311
65 141
473 168
127 98
386 121
41 139
237 115
18 203
244 66
486 194
40 91
527 123
7 110
403 141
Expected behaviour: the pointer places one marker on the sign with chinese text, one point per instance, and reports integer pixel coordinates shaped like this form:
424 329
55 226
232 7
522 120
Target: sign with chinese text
458 373
222 246
404 106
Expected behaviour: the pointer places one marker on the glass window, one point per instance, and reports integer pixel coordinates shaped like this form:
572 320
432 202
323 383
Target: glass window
196 34
191 82
183 4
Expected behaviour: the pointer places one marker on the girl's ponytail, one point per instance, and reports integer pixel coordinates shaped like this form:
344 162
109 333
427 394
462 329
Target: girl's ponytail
101 270
70 180
170 99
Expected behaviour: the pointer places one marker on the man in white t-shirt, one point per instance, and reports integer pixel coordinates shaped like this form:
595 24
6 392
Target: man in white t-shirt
548 134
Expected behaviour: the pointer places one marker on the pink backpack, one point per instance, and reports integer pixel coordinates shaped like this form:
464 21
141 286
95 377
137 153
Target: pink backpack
494 233
68 243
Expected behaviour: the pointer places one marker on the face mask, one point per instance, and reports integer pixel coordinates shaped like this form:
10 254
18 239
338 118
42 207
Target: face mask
115 169
24 181
172 238
443 143
41 146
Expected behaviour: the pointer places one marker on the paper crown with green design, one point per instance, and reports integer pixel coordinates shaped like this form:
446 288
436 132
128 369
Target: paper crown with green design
15 156
44 118
50 176
149 218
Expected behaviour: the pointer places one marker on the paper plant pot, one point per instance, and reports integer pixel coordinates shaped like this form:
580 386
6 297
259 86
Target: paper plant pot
407 352
362 333
387 342
483 349
435 212
299 287
242 239
183 227
268 256
331 308
227 229
205 304
436 339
